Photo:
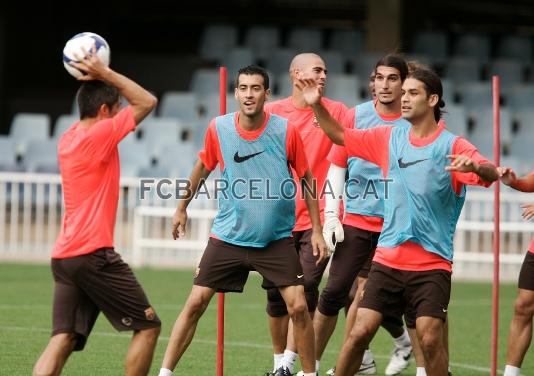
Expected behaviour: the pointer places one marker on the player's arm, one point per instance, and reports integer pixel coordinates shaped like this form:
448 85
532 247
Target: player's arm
312 203
198 177
312 94
142 101
333 229
509 177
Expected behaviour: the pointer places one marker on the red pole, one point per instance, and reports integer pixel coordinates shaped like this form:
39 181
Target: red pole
496 229
220 302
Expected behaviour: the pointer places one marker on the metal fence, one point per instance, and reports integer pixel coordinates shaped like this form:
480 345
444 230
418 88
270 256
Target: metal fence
31 216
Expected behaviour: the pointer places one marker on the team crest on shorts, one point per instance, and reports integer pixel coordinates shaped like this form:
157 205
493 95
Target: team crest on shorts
127 321
150 313
197 271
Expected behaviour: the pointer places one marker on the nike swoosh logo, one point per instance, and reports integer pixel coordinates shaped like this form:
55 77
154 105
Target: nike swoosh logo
300 276
408 164
407 357
444 310
241 159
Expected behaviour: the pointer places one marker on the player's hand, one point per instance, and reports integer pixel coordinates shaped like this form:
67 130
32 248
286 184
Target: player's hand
90 64
311 92
528 211
332 228
179 221
461 163
506 175
318 246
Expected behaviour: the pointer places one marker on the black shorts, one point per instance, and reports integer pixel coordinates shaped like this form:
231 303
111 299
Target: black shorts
419 293
364 271
225 267
526 275
98 281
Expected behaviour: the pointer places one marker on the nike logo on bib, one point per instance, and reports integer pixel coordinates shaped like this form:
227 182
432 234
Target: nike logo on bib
240 159
408 164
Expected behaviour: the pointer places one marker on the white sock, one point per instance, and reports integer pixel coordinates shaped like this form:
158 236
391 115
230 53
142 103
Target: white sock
511 370
289 359
277 361
165 372
403 340
309 374
421 371
367 357
317 362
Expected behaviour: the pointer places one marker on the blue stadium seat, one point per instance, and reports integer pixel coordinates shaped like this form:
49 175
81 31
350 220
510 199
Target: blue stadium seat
262 40
279 60
26 127
216 40
475 46
133 157
179 159
235 59
514 47
41 156
456 119
525 120
343 87
365 64
158 132
462 70
509 71
473 95
521 98
305 39
63 123
482 133
348 42
449 91
433 44
205 82
8 156
182 105
284 87
334 61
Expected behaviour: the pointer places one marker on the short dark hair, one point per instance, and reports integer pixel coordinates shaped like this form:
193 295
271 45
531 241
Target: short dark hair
93 94
432 84
250 70
394 61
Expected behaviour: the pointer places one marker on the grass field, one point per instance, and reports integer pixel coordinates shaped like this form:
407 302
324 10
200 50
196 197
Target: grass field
25 310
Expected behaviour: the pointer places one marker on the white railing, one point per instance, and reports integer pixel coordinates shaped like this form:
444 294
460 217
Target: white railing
31 213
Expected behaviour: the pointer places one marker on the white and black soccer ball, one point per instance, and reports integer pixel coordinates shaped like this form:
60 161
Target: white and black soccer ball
80 42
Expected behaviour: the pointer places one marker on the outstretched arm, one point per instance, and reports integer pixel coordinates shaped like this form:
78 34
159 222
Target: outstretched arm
312 94
464 164
509 177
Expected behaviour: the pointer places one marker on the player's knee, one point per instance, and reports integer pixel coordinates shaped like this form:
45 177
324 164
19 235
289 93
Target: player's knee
196 305
65 341
360 336
524 307
298 310
430 342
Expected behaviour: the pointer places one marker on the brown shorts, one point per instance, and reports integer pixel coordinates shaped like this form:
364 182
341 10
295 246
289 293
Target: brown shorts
526 275
225 267
364 271
98 281
313 273
393 291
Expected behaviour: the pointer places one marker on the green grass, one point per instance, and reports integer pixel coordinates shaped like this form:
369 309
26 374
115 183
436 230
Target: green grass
25 320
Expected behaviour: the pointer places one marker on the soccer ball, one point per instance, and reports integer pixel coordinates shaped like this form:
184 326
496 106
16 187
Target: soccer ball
84 41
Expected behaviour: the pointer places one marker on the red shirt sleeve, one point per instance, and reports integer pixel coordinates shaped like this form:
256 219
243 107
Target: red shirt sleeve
464 147
106 134
295 151
369 144
211 154
338 154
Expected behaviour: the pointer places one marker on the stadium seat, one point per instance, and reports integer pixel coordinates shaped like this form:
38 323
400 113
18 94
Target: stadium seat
262 40
348 42
305 39
26 127
514 47
182 105
344 88
63 123
364 65
133 156
231 103
178 159
8 156
462 70
334 61
41 156
284 87
235 59
473 95
449 94
211 106
456 119
482 133
216 40
279 60
525 122
510 72
205 82
154 172
433 44
475 46
520 98
158 132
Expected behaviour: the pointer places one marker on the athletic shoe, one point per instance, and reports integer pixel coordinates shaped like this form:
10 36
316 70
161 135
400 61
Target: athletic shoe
331 371
282 371
400 360
301 373
270 373
367 369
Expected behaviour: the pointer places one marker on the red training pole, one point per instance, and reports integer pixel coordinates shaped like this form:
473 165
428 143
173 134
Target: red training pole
220 302
496 229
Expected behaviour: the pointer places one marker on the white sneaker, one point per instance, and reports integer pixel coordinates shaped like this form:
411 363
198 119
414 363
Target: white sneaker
331 371
400 360
367 369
